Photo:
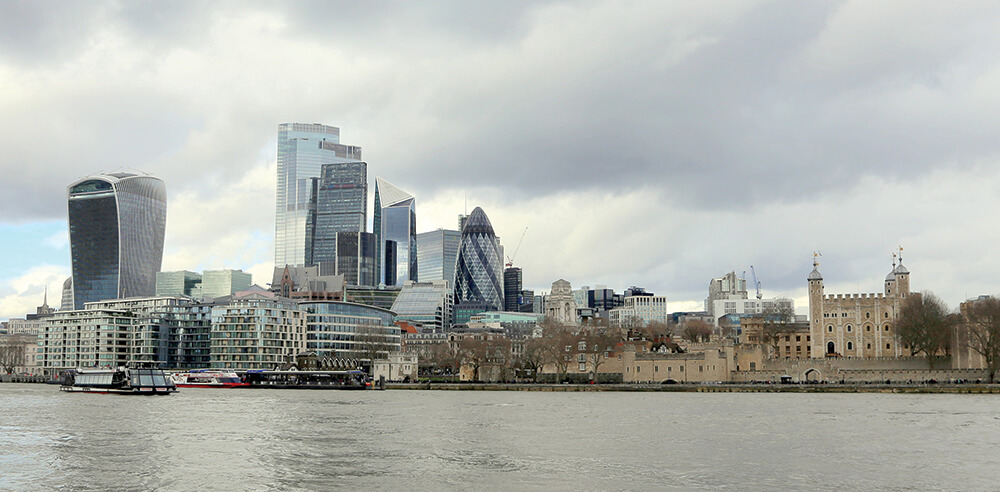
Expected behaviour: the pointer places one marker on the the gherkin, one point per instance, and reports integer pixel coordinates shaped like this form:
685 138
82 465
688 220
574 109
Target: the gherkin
479 272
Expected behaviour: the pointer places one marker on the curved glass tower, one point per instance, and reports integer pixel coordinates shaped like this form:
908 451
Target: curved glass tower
116 227
479 271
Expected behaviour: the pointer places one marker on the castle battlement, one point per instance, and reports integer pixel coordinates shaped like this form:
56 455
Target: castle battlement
847 297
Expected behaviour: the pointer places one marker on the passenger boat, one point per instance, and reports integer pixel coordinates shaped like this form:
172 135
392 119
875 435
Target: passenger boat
332 380
207 378
136 378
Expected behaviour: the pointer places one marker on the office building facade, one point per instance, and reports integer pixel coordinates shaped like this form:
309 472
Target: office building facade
437 253
117 223
396 220
302 150
339 204
512 282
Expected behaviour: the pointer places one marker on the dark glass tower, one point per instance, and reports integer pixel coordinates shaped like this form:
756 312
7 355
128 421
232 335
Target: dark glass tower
478 273
116 227
340 205
511 288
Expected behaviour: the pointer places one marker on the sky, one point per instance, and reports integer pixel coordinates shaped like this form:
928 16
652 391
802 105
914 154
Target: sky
649 143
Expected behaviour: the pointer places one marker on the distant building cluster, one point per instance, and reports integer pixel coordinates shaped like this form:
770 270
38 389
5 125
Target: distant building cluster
342 296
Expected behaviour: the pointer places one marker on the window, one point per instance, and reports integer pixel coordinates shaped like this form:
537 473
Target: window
583 367
829 328
850 346
848 328
887 346
869 346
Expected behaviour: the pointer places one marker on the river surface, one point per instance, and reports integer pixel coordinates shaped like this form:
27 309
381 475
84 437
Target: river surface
239 439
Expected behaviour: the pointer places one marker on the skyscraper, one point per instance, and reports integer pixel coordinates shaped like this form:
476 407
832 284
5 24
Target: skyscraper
396 220
478 274
437 252
116 227
302 149
340 204
511 288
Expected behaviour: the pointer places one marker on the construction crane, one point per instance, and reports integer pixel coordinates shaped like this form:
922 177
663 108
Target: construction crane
756 283
510 259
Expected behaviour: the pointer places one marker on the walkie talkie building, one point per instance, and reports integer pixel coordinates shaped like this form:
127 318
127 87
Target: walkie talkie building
116 227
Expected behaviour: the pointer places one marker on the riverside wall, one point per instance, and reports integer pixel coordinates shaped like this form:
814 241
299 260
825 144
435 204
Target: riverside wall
711 388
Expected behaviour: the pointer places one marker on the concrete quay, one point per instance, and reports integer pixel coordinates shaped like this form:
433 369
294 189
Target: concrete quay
710 388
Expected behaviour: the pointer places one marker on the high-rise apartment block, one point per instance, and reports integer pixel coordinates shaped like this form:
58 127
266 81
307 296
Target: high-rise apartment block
116 227
302 150
437 252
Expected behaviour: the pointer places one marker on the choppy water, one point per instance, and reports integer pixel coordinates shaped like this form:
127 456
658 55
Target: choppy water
205 439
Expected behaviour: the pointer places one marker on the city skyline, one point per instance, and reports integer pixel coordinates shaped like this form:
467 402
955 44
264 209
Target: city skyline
659 145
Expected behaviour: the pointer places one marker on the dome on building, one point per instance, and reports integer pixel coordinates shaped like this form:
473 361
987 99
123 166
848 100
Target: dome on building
901 269
479 269
815 275
478 223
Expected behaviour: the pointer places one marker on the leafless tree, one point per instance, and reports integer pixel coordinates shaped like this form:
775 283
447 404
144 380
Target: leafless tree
697 331
372 342
599 341
925 324
983 322
559 340
480 350
534 356
777 323
11 355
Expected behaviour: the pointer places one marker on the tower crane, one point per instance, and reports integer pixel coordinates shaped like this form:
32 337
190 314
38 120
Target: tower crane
756 283
510 259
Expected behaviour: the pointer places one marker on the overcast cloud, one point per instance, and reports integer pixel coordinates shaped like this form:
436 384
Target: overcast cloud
646 143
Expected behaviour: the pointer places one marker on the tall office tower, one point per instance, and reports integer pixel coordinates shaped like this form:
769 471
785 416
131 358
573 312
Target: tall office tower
302 149
437 252
222 283
116 227
340 204
479 270
356 258
461 221
396 220
511 288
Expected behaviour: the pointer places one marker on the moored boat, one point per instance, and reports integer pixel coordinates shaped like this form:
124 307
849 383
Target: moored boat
133 379
333 380
207 378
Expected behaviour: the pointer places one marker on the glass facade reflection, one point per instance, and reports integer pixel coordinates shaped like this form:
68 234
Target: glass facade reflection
397 221
302 150
116 226
437 252
479 270
349 330
340 205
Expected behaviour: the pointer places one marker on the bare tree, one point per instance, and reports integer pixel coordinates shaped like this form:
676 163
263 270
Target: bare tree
11 355
777 323
599 341
558 342
534 356
925 325
481 350
696 331
983 323
372 342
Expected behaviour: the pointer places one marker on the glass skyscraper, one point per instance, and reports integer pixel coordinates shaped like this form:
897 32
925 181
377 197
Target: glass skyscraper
479 270
340 204
302 149
511 288
116 227
437 252
396 220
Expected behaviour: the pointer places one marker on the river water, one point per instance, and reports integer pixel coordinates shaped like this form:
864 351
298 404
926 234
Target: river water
237 439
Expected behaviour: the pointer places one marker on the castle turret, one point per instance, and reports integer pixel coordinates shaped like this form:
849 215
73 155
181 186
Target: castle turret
816 308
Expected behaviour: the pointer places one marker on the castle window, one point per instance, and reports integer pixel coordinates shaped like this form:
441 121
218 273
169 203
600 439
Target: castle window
850 346
886 327
829 328
848 330
869 346
885 315
887 346
868 328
